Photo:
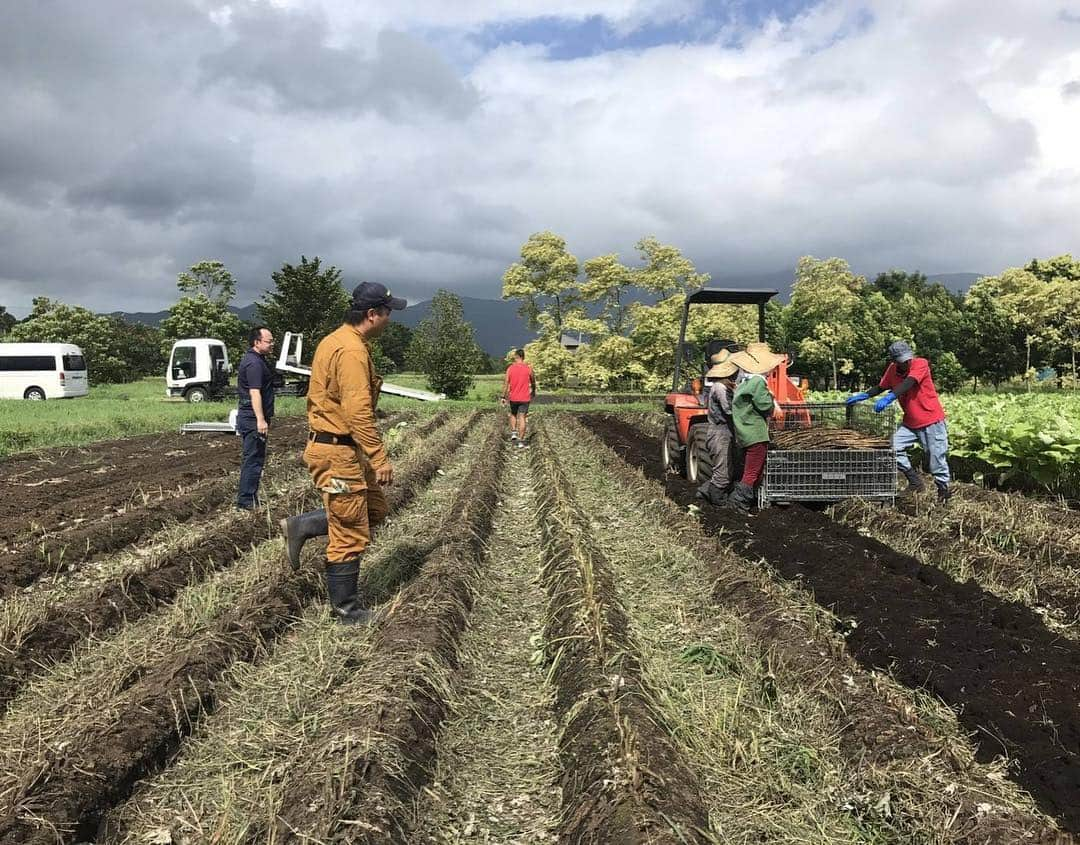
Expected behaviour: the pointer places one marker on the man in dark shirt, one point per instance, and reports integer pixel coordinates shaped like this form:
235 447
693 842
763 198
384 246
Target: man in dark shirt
255 393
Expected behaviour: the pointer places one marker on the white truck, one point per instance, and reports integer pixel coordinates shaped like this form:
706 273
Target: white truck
201 358
198 369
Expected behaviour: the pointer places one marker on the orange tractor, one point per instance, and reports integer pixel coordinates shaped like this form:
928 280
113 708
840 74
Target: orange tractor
683 449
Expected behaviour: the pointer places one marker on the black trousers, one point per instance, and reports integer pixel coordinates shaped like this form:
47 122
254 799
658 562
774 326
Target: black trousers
254 457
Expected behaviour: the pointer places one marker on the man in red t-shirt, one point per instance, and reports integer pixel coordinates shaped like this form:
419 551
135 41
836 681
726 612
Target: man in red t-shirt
519 389
908 380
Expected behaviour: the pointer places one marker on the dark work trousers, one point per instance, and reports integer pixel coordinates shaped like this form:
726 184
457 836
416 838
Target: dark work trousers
251 468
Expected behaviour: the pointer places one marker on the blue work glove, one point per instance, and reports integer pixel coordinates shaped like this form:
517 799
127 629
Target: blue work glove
883 402
858 397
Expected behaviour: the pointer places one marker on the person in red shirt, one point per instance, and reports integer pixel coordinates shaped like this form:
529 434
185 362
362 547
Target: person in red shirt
518 389
908 380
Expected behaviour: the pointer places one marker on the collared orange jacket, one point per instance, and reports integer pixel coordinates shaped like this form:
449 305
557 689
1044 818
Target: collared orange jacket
344 392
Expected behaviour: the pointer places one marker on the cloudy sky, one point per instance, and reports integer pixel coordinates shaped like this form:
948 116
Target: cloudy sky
420 142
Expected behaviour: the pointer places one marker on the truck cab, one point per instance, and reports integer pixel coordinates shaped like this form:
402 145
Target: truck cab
198 370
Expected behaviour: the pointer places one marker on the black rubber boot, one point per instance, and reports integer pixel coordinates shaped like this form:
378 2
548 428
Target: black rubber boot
341 581
298 530
711 494
943 491
914 480
742 497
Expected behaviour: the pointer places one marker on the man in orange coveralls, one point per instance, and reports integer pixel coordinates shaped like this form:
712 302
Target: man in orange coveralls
345 453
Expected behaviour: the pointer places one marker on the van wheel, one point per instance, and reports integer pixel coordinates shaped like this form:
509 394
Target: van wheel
197 394
35 394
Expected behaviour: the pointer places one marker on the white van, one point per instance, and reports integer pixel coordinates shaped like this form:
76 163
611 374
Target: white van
42 371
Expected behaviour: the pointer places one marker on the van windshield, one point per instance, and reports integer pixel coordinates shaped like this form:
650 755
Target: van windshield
74 362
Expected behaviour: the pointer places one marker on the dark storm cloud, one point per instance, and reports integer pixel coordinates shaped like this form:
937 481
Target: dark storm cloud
164 176
284 54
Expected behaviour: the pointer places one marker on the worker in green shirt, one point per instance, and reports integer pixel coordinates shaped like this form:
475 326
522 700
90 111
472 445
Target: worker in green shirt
751 407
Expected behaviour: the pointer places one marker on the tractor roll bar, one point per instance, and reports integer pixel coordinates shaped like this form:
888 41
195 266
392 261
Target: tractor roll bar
721 296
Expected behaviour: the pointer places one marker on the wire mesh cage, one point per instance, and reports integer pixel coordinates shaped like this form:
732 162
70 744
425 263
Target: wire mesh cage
828 451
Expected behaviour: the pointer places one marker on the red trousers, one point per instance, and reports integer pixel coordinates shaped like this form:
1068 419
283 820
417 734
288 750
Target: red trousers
754 463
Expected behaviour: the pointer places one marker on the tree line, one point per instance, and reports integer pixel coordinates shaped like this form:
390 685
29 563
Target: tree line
306 297
837 323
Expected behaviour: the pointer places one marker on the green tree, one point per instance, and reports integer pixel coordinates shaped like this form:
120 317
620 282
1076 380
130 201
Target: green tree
6 321
394 344
443 347
1061 275
204 312
667 271
992 347
197 316
1027 302
545 280
210 279
139 346
825 305
306 299
54 322
607 282
894 284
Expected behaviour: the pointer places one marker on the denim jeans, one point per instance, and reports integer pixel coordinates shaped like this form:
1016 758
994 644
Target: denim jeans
254 456
934 440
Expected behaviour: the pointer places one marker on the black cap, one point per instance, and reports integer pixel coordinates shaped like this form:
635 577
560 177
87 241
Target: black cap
371 295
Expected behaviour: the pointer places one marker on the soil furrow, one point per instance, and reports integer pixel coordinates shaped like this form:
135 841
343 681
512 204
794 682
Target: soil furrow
266 711
90 493
497 770
51 638
65 550
1013 684
59 801
369 766
901 768
932 538
623 778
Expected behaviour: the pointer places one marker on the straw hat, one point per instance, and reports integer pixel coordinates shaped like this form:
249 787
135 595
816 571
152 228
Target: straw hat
722 369
758 358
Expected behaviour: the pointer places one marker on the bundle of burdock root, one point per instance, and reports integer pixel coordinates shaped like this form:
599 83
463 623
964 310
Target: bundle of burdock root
827 438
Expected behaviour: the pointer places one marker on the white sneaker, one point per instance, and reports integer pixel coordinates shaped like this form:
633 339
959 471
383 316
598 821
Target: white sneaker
513 435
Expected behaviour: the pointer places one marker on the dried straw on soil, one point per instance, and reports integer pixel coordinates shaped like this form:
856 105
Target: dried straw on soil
157 705
889 728
376 750
226 775
623 780
764 743
497 773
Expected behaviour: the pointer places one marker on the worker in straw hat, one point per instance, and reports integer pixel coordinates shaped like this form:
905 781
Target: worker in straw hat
720 433
751 407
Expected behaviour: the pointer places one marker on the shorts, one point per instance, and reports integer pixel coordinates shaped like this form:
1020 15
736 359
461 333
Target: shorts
519 408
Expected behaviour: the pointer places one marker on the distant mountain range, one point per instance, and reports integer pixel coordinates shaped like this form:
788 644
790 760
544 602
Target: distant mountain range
499 328
495 322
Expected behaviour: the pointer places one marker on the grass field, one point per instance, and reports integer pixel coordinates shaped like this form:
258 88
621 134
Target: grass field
119 410
111 410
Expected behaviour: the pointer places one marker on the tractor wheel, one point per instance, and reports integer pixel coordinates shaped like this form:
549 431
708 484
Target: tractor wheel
698 461
197 394
700 443
671 453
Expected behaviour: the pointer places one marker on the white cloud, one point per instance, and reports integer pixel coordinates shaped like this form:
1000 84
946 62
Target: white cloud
919 134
